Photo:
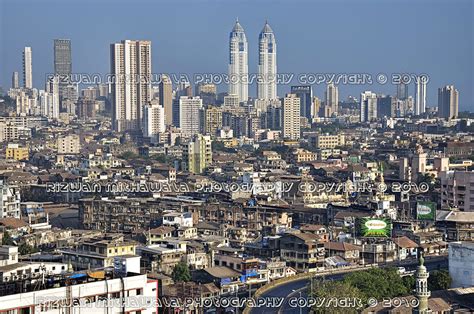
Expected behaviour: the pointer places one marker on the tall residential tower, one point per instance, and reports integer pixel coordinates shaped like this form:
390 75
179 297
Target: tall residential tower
27 68
130 67
238 63
267 64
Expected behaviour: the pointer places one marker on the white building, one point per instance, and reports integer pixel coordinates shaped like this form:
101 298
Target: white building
368 106
238 63
10 200
69 144
461 264
153 120
111 294
267 65
27 68
420 95
52 98
190 115
131 87
291 117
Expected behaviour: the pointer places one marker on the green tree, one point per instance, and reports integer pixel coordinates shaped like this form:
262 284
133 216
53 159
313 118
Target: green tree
25 249
378 283
439 280
181 272
7 239
336 290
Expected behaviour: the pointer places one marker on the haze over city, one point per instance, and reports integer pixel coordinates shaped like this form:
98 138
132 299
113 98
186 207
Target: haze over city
191 37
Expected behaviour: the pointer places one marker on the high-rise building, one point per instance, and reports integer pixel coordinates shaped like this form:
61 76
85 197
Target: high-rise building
27 68
291 117
153 120
238 63
52 89
420 95
190 115
315 107
331 99
197 154
305 94
213 120
208 93
385 106
402 91
131 86
267 64
62 57
15 80
368 106
166 98
448 102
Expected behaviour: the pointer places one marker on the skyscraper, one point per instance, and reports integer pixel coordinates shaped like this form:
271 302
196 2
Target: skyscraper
331 99
131 83
305 94
402 91
62 57
166 98
27 68
420 95
368 106
52 97
190 115
238 63
15 80
448 102
291 117
267 64
197 154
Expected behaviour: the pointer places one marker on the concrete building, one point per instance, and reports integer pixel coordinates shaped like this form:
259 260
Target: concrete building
461 264
331 100
166 98
69 144
197 154
291 117
15 80
368 106
267 64
457 190
10 200
238 63
27 68
190 114
131 87
420 95
305 94
16 152
153 120
52 102
328 141
101 292
213 120
448 102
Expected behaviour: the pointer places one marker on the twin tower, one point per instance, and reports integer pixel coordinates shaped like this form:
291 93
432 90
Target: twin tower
238 64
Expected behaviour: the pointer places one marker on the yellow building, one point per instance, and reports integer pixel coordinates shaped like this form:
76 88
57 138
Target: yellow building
16 152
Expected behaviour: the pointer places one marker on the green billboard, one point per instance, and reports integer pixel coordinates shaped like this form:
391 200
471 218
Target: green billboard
425 211
374 227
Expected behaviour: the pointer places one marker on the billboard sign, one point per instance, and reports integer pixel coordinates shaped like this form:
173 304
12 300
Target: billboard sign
374 227
425 211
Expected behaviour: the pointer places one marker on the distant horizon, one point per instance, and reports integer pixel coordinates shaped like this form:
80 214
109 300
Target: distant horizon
192 38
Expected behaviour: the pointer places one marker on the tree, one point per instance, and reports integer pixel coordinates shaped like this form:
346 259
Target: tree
25 249
439 280
181 272
327 291
7 239
378 283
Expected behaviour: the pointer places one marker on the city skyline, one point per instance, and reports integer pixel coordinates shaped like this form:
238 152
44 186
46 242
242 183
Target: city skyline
212 59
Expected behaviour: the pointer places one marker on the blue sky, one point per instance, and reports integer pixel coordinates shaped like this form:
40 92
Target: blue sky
370 36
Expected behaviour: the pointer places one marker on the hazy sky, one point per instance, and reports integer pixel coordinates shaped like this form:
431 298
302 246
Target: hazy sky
432 37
